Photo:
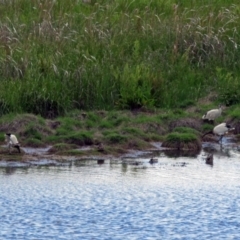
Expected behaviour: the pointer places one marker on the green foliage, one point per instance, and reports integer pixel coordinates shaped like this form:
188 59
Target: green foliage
61 131
117 118
90 123
105 124
229 88
133 131
93 117
143 119
79 138
32 132
115 138
2 137
69 124
186 103
185 130
181 137
135 87
7 118
207 127
34 142
235 114
171 115
61 147
57 57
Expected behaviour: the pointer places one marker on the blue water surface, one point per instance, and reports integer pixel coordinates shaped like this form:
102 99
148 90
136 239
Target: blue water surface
117 200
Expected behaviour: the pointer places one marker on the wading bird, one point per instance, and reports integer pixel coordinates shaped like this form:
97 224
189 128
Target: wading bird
12 142
153 160
209 159
211 115
220 130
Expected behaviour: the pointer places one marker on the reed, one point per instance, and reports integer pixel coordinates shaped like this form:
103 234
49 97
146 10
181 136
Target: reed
57 56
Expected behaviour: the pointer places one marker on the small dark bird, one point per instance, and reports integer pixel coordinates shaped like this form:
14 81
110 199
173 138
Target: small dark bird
153 160
12 142
209 159
100 161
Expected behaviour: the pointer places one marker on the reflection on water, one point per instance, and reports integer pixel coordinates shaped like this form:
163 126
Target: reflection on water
175 198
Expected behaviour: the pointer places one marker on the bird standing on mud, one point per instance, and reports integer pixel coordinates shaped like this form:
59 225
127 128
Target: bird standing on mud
12 141
211 115
220 130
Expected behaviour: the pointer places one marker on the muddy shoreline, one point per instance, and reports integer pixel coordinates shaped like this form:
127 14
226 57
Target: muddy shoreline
108 135
31 157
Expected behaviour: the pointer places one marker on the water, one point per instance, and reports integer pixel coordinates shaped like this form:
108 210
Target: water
176 198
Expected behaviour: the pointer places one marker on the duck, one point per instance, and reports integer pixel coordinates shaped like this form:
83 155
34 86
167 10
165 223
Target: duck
153 160
209 159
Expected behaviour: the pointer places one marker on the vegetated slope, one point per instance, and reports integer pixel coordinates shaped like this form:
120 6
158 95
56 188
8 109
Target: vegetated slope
57 56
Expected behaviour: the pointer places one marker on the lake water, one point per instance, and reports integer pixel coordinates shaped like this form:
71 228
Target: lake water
176 198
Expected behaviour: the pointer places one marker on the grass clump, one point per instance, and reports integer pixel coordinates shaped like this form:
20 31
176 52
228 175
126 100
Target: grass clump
34 142
80 139
33 132
185 130
235 114
104 124
186 141
115 138
182 137
61 148
133 131
207 127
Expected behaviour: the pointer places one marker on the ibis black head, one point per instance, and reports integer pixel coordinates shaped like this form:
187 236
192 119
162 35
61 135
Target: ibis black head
8 134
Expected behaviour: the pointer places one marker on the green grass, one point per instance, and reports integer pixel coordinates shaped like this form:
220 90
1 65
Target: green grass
34 142
185 130
62 147
115 138
59 56
207 127
235 114
181 137
32 132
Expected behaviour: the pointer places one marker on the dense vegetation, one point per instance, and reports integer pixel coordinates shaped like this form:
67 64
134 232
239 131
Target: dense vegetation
56 56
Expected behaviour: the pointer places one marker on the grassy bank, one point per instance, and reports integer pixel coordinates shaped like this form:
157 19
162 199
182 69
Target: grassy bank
57 56
112 132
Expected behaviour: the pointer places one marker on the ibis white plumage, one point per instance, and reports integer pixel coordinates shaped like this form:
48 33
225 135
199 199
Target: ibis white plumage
12 141
211 115
220 130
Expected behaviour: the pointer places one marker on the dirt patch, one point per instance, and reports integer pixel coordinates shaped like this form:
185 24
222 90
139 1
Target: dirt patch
68 136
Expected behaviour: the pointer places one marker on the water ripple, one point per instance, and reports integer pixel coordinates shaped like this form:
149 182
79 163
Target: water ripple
167 200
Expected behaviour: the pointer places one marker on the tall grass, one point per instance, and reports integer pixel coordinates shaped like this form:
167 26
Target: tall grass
56 56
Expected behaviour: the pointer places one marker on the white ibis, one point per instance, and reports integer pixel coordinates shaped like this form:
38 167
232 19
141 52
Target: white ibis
220 130
12 141
211 115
